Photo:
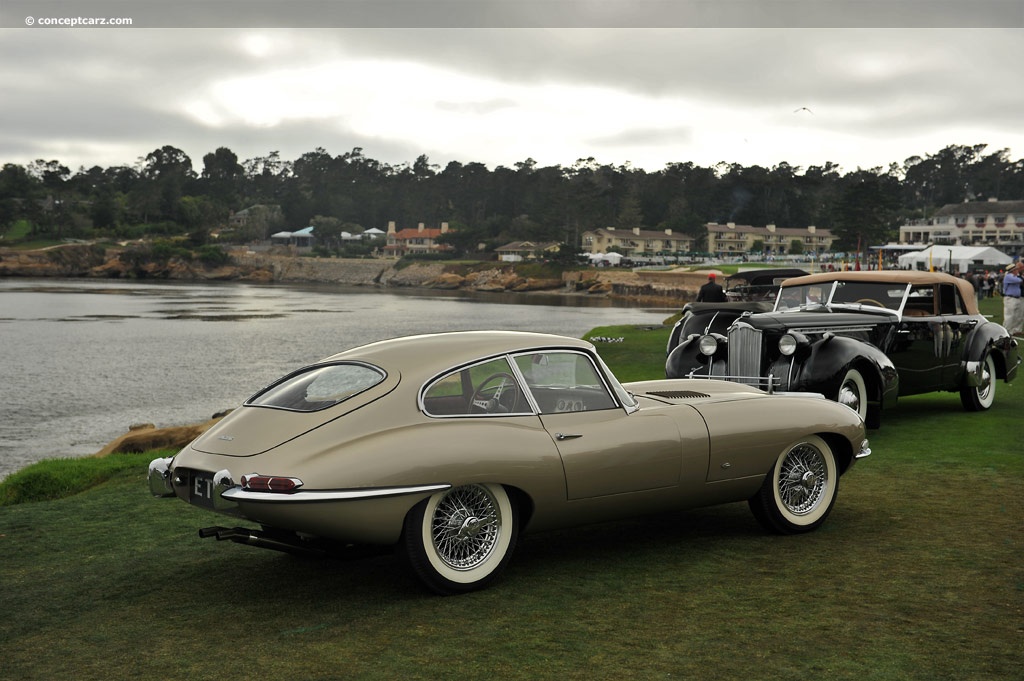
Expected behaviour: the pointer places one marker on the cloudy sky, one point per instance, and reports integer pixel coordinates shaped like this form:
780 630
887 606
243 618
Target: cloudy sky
643 82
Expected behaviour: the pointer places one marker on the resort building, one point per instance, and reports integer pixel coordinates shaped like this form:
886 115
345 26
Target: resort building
518 251
636 242
971 223
731 239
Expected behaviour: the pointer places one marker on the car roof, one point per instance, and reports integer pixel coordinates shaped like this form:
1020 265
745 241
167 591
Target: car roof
770 273
902 277
431 353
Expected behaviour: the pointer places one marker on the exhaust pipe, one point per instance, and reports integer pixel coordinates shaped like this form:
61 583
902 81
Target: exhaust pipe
261 539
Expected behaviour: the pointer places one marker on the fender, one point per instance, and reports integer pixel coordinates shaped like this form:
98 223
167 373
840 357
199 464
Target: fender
829 359
701 318
995 337
686 357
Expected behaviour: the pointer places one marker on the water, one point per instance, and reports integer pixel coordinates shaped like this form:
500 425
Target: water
81 360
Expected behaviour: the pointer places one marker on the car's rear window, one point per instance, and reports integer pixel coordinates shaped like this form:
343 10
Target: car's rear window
320 387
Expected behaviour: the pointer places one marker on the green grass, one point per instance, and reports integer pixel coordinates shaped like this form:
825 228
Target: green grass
916 575
19 230
59 478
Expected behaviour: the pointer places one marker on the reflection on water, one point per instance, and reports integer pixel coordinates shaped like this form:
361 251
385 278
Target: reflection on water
82 360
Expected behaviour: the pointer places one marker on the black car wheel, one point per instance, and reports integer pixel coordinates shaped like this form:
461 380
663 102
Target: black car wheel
459 540
798 493
853 393
981 396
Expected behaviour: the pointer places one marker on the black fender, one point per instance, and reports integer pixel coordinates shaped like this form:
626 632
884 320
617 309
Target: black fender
825 364
686 358
701 318
991 337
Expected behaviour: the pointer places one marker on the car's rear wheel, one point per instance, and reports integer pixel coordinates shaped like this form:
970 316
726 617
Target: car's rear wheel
981 396
799 491
460 540
853 393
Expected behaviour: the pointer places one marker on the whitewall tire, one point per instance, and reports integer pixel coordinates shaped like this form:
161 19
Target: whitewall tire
461 539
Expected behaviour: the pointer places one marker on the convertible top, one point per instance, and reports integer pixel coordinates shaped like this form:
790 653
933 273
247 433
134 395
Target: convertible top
901 277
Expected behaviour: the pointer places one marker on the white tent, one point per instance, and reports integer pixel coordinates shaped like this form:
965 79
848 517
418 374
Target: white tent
605 259
963 258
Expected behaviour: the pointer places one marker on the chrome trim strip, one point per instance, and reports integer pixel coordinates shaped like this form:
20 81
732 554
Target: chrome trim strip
769 383
811 330
310 496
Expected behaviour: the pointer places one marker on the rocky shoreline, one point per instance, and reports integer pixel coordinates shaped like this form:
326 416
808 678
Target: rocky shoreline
653 288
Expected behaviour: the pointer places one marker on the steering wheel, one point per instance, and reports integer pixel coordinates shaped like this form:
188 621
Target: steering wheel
869 301
503 397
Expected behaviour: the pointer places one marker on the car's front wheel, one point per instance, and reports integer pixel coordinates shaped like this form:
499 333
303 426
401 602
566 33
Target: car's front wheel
853 393
799 491
460 540
980 397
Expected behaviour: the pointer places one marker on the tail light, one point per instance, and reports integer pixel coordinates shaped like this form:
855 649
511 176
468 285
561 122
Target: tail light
254 482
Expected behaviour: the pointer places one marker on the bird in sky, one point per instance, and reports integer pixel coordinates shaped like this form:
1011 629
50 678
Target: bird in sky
803 108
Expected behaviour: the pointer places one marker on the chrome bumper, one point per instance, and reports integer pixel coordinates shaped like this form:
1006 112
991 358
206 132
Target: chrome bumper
162 483
160 477
236 494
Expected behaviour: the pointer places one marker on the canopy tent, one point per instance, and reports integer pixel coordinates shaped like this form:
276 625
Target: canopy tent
605 258
962 258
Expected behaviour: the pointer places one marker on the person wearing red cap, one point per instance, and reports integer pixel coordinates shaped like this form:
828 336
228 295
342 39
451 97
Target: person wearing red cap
711 292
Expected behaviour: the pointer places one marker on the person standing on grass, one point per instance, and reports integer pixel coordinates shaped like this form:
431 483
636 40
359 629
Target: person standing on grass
1013 305
711 292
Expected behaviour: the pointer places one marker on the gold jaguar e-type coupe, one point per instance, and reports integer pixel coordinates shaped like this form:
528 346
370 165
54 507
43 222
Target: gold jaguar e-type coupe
449 446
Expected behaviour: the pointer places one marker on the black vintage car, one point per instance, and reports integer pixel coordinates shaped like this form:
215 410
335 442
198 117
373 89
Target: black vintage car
862 339
747 291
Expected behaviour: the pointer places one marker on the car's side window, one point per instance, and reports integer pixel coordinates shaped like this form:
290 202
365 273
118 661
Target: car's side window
564 382
920 302
487 388
950 301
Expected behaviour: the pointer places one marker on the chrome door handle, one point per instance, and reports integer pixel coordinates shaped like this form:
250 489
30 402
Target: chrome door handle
562 436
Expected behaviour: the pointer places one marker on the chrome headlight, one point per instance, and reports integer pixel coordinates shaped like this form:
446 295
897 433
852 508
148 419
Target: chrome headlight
787 345
707 345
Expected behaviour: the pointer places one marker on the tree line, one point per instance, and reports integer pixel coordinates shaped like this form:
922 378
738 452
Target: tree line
162 194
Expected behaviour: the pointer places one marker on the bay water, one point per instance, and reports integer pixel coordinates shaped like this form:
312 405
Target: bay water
82 360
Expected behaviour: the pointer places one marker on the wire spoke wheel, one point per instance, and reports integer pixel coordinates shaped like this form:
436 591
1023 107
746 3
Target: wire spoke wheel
798 493
465 527
803 479
461 539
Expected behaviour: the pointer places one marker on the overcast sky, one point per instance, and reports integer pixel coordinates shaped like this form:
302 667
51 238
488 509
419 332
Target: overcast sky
861 87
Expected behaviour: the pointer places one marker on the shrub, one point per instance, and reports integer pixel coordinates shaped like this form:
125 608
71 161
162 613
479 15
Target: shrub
212 256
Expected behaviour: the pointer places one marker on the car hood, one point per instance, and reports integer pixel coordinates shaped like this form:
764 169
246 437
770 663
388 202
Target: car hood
693 390
818 318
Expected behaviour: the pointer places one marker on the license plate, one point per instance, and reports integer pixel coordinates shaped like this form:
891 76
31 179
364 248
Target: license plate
200 489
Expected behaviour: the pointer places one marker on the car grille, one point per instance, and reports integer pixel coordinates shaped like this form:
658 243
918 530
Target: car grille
745 354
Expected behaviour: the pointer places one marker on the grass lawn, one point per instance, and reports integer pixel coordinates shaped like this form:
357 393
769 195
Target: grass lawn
917 574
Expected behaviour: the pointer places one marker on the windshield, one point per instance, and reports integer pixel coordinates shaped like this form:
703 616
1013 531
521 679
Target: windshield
875 294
